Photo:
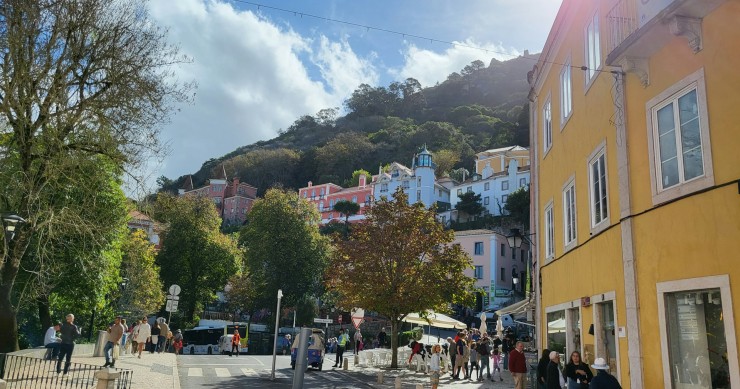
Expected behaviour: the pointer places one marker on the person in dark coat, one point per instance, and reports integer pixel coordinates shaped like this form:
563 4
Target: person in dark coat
554 377
578 373
603 380
542 369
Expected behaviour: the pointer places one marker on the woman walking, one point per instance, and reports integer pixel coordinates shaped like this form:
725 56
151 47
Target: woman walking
434 366
578 373
542 369
484 353
156 331
496 365
142 333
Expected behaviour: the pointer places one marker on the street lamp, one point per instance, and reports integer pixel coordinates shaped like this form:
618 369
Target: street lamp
514 277
277 320
11 222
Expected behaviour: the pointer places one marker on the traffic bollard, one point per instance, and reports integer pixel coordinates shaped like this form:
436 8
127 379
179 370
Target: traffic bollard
380 377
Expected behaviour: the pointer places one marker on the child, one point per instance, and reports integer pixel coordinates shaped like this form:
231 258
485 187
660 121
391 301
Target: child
496 368
473 360
434 366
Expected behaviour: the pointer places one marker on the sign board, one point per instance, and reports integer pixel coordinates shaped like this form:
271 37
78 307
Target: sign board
171 306
358 315
174 289
586 301
323 321
173 297
357 321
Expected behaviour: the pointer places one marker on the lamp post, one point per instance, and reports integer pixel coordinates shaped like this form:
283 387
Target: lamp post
277 323
515 278
11 222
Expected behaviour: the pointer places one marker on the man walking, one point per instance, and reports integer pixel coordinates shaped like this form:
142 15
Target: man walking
342 341
52 341
69 333
381 337
164 331
518 365
115 333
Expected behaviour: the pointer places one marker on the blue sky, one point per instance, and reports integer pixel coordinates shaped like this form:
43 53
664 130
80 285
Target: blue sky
258 69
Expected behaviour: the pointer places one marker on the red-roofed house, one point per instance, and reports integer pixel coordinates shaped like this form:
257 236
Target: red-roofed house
324 196
233 200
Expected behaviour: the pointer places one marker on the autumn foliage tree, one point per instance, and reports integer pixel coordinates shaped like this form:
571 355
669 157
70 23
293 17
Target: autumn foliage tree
400 260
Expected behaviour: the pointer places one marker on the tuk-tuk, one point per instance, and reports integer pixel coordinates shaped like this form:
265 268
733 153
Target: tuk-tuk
315 349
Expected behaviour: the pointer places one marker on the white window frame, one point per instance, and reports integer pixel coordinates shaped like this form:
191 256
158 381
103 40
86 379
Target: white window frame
549 234
692 81
596 312
569 325
547 125
478 275
592 49
598 225
569 186
722 282
566 94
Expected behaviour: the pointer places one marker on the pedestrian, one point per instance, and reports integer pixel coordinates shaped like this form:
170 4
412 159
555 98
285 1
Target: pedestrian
555 378
518 365
434 366
115 334
164 331
342 341
52 342
506 348
177 342
496 365
451 353
484 353
358 341
542 369
154 337
603 380
473 346
577 372
460 362
133 330
235 342
466 356
143 334
69 333
124 340
381 337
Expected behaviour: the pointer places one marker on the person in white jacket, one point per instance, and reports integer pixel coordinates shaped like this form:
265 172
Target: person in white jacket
142 333
52 341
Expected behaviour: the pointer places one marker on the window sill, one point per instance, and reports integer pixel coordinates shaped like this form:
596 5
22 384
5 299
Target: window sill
570 246
601 226
564 123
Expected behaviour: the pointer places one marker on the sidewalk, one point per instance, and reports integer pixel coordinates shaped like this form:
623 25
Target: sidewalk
151 371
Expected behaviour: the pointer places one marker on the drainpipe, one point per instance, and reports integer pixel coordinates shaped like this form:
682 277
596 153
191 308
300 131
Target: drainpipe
631 295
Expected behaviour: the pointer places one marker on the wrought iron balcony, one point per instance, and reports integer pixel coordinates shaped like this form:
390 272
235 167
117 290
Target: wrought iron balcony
621 23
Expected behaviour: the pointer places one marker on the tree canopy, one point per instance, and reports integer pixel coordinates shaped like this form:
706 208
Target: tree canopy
144 290
470 204
398 261
284 248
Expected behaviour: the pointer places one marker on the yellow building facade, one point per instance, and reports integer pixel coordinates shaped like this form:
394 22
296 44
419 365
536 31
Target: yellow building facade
636 189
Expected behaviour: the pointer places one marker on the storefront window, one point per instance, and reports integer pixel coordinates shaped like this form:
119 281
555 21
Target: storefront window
696 339
609 340
556 331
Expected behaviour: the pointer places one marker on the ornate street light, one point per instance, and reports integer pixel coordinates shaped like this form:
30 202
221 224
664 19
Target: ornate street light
11 222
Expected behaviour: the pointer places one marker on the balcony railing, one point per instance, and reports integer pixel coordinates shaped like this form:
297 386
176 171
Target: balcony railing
621 23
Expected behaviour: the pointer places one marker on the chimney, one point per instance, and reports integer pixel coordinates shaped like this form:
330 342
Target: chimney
363 180
310 184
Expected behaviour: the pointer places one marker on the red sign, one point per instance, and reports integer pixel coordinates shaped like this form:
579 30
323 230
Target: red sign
356 320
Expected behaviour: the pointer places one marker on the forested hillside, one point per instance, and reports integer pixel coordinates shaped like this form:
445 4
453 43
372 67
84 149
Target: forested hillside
479 108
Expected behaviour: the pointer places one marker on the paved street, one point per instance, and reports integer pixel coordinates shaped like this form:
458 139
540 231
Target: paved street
253 371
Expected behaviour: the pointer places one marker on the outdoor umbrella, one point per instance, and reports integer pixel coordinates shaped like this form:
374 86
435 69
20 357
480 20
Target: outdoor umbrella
435 319
500 329
483 327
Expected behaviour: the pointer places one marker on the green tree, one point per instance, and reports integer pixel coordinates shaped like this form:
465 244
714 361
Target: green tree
385 277
144 292
343 154
284 248
517 207
470 204
306 311
355 181
194 253
346 208
81 79
445 161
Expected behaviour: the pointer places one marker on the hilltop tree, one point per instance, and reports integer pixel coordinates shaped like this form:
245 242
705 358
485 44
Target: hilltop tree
284 248
81 79
194 253
355 180
380 265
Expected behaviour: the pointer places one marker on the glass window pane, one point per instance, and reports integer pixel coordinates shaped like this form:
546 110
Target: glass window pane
670 172
556 331
690 135
696 339
693 165
609 339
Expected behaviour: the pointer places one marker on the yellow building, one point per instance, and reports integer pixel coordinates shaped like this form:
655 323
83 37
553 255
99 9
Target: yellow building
635 154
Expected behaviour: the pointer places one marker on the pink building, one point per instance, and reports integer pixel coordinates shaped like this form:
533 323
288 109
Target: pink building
233 199
494 263
324 196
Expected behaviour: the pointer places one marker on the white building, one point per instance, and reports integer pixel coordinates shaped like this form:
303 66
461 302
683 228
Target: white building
494 188
418 182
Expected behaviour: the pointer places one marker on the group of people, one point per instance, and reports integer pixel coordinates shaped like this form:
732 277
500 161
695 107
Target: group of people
576 374
142 335
472 350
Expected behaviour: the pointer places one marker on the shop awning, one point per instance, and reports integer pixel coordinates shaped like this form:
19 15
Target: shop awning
515 308
435 319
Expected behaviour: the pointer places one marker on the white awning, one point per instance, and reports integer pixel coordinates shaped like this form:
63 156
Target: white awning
434 319
517 307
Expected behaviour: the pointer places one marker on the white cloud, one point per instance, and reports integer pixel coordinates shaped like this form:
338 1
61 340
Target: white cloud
430 67
251 79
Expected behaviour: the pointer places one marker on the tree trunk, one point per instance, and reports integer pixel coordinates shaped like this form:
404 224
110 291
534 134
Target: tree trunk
8 322
394 342
44 314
